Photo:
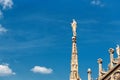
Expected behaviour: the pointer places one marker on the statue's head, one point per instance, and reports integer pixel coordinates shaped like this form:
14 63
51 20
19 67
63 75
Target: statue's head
74 24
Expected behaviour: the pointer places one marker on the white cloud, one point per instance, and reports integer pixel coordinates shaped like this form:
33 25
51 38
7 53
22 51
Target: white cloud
97 3
42 70
6 3
2 29
5 70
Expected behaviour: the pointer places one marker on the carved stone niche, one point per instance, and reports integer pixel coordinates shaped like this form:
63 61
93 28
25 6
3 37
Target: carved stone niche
116 75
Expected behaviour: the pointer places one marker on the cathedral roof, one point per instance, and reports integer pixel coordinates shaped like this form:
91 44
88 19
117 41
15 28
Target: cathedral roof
114 70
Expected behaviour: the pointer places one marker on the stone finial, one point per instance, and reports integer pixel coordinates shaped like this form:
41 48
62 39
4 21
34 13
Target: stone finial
89 70
89 74
111 50
100 67
99 60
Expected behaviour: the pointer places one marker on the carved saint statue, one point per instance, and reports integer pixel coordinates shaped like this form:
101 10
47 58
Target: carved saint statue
74 25
118 50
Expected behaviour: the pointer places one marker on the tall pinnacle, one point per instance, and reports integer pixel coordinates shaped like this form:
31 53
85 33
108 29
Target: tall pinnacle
74 58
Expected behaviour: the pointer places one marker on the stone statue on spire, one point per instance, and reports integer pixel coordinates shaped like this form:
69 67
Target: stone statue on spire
74 26
118 50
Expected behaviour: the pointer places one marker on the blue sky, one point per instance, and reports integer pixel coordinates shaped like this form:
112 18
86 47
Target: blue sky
35 37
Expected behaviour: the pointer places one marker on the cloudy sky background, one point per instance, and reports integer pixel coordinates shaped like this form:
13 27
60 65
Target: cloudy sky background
35 37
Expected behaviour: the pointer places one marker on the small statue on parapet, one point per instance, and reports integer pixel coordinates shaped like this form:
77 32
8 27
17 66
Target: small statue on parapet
118 51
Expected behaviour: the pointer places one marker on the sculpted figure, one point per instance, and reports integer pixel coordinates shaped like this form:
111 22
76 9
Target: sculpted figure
118 50
74 26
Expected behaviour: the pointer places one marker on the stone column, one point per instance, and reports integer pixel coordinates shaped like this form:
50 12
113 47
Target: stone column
89 74
100 68
111 51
